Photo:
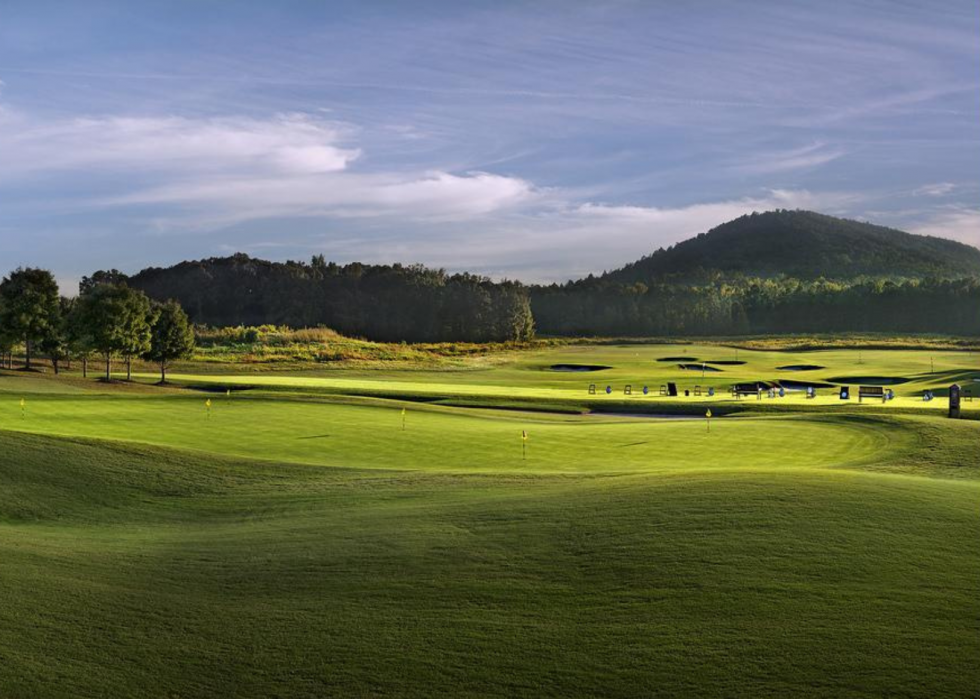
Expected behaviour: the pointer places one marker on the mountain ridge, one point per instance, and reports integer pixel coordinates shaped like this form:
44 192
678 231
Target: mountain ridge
804 245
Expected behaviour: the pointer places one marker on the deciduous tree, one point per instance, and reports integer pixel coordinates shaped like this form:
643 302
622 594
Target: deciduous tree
171 336
117 320
29 307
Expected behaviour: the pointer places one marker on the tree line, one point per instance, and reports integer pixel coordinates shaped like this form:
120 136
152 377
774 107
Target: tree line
107 319
112 317
727 305
388 303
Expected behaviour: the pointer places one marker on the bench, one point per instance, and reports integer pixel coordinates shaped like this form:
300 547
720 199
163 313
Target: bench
591 389
871 392
747 389
628 390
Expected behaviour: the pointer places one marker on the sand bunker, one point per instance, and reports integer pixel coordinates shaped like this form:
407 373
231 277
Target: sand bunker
870 380
578 367
725 362
699 367
678 359
799 367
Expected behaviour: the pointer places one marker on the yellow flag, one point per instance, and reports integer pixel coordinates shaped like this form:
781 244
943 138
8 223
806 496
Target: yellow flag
403 412
708 414
524 435
208 403
23 402
228 392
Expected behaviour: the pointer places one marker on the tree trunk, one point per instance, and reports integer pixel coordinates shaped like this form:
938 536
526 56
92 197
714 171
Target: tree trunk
27 354
108 365
54 363
129 368
85 366
163 371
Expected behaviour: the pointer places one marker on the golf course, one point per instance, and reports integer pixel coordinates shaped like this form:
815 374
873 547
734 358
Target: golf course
501 526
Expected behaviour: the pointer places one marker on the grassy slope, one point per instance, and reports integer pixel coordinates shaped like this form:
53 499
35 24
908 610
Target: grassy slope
828 555
135 571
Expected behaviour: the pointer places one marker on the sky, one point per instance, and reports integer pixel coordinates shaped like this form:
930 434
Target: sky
532 140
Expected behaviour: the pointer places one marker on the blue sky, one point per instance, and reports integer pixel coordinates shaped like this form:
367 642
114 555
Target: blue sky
536 140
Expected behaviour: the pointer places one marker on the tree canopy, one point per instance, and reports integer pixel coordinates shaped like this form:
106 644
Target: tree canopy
171 336
117 320
29 307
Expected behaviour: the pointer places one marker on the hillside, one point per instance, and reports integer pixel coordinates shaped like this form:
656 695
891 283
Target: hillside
805 245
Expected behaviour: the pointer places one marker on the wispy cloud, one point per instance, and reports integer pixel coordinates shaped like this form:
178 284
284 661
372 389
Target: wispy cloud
937 189
284 144
802 158
430 196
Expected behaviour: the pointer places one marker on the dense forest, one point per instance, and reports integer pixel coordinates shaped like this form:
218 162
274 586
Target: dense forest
380 302
776 272
759 306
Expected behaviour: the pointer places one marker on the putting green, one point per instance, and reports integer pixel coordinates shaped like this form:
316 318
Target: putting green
371 435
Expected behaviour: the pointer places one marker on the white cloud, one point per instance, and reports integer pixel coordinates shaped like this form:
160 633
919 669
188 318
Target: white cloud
430 196
958 223
209 173
285 144
938 189
560 241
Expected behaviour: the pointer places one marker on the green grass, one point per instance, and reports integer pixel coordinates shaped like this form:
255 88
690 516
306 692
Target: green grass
300 543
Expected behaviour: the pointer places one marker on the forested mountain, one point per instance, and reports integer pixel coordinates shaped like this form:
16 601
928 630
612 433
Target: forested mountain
379 302
777 272
804 245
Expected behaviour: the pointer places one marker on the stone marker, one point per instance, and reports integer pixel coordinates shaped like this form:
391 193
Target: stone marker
954 400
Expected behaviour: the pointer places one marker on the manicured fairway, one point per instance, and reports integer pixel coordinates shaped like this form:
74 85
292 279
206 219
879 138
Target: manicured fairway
530 377
303 544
